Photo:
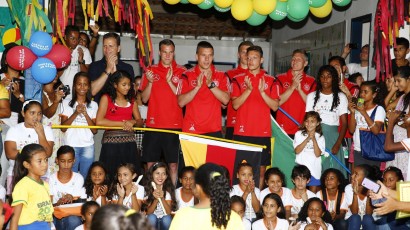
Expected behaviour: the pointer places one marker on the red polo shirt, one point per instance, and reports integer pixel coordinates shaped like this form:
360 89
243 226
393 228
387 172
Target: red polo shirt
230 112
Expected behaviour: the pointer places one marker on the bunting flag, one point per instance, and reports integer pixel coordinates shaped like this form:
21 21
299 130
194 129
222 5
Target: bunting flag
283 154
198 150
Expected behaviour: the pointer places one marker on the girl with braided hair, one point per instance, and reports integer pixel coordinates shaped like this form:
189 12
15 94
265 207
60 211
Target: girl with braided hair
213 210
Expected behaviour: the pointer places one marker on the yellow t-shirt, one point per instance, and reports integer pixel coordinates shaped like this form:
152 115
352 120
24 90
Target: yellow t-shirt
200 219
36 201
4 94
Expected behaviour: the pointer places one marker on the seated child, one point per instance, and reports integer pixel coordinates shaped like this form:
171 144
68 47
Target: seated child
300 178
184 194
127 192
238 205
87 212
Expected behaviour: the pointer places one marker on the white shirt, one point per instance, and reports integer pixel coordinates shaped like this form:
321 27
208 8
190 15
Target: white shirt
79 137
81 227
281 224
180 202
323 106
331 205
127 202
73 187
286 196
406 144
303 225
249 212
246 224
297 204
307 156
349 200
158 210
361 123
2 193
357 68
68 75
24 136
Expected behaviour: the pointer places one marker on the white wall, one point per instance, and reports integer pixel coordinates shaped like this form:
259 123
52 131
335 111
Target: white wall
225 51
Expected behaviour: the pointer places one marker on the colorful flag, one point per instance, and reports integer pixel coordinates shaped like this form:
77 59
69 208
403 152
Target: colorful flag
283 154
197 151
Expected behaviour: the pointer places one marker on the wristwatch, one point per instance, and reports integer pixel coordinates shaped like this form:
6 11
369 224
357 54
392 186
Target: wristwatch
212 85
21 96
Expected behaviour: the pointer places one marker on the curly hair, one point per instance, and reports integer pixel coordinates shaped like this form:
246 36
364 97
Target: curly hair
335 86
113 80
210 177
89 185
88 97
168 186
394 170
303 214
340 177
274 171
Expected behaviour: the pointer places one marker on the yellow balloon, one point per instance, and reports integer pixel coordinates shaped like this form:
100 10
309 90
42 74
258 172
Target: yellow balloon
241 9
172 2
323 11
264 7
195 2
223 3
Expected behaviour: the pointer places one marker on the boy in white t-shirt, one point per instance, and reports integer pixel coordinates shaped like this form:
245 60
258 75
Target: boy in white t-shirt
300 178
66 186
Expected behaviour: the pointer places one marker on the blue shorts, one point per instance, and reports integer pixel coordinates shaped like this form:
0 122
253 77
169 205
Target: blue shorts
37 225
314 182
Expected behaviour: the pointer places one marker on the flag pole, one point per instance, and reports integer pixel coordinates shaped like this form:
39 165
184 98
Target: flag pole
327 150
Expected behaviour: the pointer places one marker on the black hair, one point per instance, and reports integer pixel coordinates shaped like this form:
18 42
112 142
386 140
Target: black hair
274 171
340 178
113 35
315 115
256 49
88 183
166 42
301 171
71 28
115 79
303 214
404 72
4 66
273 196
168 186
87 38
128 166
342 61
243 164
29 103
26 155
371 172
244 43
88 205
186 169
365 46
335 86
396 171
378 89
88 96
117 217
402 41
353 77
65 149
137 77
216 186
238 199
204 44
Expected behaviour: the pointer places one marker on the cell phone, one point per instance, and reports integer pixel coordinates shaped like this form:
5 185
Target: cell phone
354 100
360 102
353 45
378 201
371 185
92 22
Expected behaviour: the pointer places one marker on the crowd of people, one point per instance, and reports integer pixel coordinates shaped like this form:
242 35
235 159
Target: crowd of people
132 184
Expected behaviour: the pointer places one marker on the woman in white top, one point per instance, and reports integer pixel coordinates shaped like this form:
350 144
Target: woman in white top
331 104
273 214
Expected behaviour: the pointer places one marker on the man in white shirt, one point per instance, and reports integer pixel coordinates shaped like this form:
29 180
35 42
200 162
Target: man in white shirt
368 72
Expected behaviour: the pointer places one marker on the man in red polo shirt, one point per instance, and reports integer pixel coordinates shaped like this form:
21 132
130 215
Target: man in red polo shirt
159 86
242 68
294 86
254 94
202 90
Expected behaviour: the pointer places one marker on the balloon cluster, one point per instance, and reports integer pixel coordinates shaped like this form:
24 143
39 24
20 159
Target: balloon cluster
41 56
255 12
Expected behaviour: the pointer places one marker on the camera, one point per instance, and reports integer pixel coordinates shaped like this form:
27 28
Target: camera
353 46
65 89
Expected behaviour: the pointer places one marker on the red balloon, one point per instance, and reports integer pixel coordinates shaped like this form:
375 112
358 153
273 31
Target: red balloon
20 58
60 55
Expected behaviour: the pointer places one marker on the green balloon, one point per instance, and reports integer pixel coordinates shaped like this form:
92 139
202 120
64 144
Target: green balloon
280 11
317 3
256 19
298 9
206 4
341 2
222 10
184 1
295 19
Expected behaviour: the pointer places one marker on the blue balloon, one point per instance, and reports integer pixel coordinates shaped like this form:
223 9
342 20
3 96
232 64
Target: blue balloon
43 70
40 43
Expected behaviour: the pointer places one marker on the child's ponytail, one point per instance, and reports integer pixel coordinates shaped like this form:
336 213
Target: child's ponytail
26 154
220 201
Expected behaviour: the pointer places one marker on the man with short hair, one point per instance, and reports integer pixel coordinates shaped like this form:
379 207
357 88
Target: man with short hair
158 86
254 94
242 67
368 72
99 71
294 86
203 90
80 56
349 88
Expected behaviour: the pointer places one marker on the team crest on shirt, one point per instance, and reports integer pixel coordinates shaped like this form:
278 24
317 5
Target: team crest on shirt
156 77
192 128
306 87
241 129
174 79
266 86
286 85
194 83
243 85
